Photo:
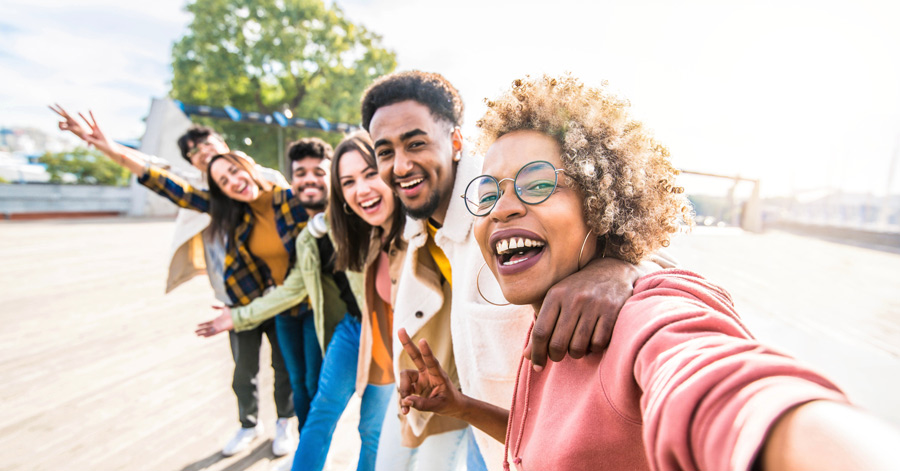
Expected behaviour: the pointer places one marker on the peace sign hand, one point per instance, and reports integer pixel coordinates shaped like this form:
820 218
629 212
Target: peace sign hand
68 123
427 388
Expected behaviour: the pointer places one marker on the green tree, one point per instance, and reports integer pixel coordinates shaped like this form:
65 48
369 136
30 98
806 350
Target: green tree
275 55
88 166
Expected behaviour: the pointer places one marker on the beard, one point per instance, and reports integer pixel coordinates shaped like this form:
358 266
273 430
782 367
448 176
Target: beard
316 204
427 209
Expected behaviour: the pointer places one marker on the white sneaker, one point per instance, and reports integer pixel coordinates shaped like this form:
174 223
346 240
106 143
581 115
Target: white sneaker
284 438
284 466
241 440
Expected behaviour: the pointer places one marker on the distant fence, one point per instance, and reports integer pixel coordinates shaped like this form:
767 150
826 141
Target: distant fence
729 208
20 201
864 237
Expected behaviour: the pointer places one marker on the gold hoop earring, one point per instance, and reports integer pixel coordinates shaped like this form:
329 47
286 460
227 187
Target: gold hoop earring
347 209
478 287
591 231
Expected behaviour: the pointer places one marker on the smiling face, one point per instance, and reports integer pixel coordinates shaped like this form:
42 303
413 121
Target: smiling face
415 153
201 152
234 181
309 180
529 248
365 192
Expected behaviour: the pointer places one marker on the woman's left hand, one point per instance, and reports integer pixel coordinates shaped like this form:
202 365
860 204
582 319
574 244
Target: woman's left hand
218 325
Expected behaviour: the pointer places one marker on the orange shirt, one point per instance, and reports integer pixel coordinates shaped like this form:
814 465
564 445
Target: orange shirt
264 242
381 371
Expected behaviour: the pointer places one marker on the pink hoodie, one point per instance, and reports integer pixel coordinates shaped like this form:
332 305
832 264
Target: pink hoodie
683 386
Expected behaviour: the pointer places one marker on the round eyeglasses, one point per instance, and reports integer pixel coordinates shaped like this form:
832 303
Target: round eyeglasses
194 150
534 183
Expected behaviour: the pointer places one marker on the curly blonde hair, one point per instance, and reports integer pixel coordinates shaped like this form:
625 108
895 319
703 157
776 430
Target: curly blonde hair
630 198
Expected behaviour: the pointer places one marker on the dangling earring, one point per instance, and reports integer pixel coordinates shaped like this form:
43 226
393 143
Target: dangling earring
582 247
457 151
347 209
478 287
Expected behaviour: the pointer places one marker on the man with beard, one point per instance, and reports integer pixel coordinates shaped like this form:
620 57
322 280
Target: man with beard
310 165
192 235
414 119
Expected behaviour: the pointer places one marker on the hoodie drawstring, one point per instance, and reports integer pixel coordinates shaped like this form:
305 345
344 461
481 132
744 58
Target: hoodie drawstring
512 409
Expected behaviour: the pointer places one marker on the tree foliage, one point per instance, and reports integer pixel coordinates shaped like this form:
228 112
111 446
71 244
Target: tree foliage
275 55
87 166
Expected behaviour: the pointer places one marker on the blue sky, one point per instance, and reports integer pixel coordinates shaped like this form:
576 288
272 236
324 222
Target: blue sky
803 94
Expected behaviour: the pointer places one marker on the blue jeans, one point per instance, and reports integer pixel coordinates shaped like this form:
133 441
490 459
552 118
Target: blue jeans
474 460
302 358
336 385
442 452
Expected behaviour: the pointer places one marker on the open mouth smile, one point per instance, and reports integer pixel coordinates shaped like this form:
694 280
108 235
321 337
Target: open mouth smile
410 184
515 250
312 189
371 204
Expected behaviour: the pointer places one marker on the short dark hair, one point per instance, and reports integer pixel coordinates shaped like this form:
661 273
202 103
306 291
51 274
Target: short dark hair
352 235
309 147
429 89
195 134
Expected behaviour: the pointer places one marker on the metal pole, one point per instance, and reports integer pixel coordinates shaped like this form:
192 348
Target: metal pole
884 213
281 157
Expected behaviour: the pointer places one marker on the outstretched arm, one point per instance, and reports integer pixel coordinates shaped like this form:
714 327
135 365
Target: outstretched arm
579 312
829 435
428 388
131 159
281 298
220 324
289 294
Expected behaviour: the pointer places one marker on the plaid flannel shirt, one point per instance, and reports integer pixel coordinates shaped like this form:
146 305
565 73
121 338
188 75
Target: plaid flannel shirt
246 276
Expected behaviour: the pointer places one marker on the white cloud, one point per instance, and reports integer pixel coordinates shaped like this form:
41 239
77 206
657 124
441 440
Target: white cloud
97 54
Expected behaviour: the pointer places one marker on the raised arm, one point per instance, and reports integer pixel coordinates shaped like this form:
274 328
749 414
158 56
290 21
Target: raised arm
129 158
428 388
155 178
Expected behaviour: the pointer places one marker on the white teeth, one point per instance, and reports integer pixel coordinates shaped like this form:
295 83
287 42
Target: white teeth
516 243
511 262
411 183
368 204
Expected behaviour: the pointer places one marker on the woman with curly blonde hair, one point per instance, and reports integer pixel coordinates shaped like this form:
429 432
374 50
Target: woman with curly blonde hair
683 385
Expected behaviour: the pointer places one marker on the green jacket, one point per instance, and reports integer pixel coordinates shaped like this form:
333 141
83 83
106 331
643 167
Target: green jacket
305 279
